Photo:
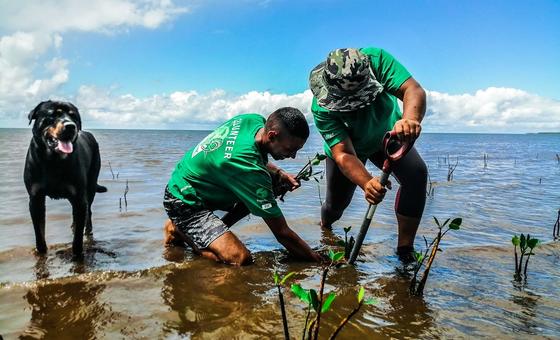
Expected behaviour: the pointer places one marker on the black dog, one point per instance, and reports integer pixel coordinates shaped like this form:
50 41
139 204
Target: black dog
62 162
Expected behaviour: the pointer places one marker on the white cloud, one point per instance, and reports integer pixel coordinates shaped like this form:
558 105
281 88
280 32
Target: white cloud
502 110
188 109
86 15
27 75
492 110
19 58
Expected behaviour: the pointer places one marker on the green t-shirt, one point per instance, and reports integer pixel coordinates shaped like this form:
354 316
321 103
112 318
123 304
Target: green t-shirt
365 126
226 168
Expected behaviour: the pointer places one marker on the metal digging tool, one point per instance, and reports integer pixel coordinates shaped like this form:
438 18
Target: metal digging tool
394 150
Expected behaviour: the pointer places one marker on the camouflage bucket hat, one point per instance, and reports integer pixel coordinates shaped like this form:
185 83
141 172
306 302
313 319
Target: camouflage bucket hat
345 82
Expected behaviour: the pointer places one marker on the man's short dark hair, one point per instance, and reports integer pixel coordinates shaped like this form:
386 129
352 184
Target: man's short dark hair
290 120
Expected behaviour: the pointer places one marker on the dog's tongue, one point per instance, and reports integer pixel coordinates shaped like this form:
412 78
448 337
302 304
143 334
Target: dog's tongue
65 147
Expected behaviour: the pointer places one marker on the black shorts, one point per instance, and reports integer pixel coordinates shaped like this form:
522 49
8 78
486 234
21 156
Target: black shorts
200 225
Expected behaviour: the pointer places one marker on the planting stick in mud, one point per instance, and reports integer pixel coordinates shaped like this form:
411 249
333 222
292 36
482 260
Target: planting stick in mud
111 168
394 150
556 230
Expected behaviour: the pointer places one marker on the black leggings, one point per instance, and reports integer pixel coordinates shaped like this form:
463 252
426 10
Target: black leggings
410 171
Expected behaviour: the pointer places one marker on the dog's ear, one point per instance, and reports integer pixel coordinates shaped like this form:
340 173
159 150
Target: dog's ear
33 113
77 115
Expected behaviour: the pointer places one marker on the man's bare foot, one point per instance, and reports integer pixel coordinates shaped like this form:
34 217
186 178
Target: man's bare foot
172 236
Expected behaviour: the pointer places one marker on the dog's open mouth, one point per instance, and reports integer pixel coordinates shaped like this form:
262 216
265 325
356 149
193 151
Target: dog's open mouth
63 147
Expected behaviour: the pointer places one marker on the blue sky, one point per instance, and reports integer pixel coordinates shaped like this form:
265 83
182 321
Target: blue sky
487 65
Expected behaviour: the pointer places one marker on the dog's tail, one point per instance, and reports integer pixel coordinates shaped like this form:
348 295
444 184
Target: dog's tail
100 188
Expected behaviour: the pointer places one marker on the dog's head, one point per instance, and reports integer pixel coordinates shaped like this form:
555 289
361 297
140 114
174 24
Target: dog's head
56 125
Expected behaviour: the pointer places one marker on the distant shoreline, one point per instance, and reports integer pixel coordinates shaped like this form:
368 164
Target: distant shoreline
312 127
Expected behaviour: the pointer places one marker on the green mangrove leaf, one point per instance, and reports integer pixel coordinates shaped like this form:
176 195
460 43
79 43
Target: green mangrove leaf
371 301
339 255
331 255
419 256
340 243
301 293
314 299
321 156
445 223
275 278
532 243
315 161
361 294
286 277
328 301
439 249
437 222
347 229
515 240
456 223
523 241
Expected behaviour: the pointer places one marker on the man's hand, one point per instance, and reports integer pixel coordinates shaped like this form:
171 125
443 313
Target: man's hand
374 191
407 130
284 182
288 180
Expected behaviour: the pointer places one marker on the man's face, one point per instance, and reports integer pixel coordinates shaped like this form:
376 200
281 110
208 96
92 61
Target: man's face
284 146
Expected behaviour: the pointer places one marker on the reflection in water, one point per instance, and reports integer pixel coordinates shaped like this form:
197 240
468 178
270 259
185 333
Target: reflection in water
210 297
65 310
528 302
41 267
409 316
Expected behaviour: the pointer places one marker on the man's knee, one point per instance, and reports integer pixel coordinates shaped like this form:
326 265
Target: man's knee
231 250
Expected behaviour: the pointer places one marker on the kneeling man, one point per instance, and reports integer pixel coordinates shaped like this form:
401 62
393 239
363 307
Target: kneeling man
229 170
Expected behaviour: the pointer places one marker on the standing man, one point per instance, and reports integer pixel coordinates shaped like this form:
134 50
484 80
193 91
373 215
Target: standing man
229 170
355 103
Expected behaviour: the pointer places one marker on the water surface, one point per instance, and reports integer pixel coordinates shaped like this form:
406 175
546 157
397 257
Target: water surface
129 285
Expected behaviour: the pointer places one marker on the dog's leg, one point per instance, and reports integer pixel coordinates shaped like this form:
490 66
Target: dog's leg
37 210
89 226
79 214
88 231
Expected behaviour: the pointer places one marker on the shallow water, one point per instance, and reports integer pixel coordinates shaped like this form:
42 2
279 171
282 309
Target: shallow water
129 286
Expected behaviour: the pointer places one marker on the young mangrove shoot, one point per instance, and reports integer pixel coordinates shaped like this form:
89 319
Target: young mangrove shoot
526 245
317 301
279 282
361 302
347 244
417 286
304 174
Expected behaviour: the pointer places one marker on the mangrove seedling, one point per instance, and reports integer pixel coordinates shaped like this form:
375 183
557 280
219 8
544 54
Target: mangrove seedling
304 174
431 186
556 229
361 302
451 168
317 301
417 286
125 200
526 245
347 244
279 282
